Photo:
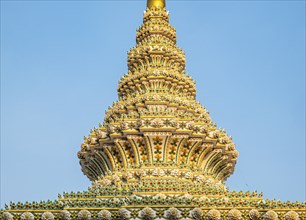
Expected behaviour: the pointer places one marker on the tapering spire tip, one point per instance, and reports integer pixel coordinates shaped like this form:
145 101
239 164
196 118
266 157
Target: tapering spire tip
156 3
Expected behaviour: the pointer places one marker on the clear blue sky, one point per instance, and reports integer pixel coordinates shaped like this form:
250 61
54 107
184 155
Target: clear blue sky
61 62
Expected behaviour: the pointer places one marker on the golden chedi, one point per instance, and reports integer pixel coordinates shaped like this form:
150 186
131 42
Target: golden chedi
157 154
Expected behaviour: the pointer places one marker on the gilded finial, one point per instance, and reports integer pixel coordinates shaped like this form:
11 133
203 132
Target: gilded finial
156 3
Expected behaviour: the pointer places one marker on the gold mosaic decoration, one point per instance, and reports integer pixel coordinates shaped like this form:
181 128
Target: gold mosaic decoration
157 155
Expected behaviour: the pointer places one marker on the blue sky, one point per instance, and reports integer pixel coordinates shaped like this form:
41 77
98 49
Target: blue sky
61 62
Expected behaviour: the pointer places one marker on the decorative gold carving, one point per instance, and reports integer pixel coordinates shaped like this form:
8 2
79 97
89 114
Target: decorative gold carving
157 154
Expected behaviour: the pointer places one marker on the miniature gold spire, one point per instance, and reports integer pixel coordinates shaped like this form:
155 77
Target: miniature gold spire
156 3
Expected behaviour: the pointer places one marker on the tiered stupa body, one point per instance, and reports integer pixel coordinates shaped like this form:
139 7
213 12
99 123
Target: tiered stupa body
157 126
157 155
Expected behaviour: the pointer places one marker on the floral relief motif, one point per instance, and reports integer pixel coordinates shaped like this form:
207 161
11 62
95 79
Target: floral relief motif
158 172
7 216
147 214
270 215
157 123
291 215
234 214
65 215
84 215
47 216
173 213
254 214
213 214
27 216
123 213
175 172
104 215
196 213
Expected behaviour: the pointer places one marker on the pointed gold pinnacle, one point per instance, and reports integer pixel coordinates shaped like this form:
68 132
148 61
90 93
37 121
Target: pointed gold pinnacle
156 3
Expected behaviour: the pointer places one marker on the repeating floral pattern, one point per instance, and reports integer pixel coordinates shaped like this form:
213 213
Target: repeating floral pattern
149 213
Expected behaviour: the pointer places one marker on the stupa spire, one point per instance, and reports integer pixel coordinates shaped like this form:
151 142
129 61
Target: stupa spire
157 155
156 3
157 122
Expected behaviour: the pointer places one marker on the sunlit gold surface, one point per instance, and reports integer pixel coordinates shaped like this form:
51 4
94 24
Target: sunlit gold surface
156 3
